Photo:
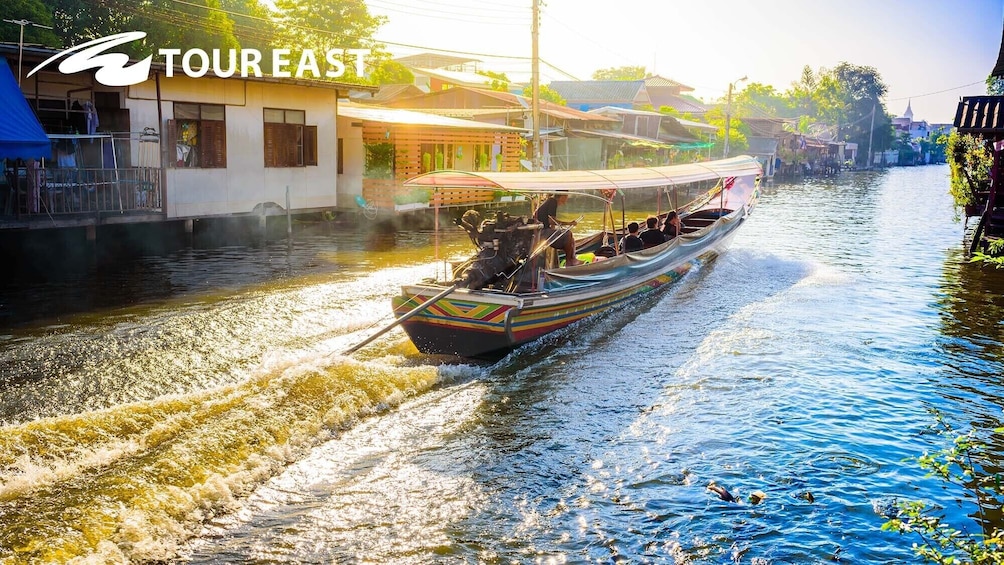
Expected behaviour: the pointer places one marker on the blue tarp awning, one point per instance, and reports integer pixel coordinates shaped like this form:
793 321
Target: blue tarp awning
21 136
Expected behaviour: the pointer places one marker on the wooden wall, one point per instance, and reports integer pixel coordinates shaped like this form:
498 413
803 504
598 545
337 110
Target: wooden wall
408 141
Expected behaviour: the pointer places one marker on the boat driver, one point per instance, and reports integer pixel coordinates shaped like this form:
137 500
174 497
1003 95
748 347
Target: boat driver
547 214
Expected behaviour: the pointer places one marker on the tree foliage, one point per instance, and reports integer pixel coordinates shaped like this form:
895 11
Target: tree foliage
499 81
970 162
34 11
620 73
325 24
546 93
964 466
227 24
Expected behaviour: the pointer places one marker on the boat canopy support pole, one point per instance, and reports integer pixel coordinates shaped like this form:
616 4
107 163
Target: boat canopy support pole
417 310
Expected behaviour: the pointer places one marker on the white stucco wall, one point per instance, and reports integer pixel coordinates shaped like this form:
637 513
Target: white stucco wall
245 183
350 182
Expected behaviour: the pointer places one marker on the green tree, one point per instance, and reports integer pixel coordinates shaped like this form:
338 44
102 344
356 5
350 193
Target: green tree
34 11
499 81
620 73
326 24
382 70
546 93
760 100
253 26
77 21
737 132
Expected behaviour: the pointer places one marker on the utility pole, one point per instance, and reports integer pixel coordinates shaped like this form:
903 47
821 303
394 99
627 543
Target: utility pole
871 130
535 78
20 42
728 116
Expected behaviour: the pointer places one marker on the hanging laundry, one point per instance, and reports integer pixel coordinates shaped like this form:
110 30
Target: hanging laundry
91 115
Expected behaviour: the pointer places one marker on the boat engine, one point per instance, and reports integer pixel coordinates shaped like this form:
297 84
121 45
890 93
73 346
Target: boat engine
502 247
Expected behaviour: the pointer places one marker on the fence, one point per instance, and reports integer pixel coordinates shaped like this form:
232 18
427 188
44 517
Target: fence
83 191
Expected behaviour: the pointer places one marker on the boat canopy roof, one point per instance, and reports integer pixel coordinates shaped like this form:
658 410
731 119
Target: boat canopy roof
581 181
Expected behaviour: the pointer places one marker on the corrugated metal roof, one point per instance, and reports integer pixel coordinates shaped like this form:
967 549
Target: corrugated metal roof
658 81
434 60
616 111
413 118
626 137
761 145
580 181
515 101
575 91
697 125
679 103
454 77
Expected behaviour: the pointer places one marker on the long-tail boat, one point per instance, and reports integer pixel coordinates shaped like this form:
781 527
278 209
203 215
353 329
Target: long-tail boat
516 288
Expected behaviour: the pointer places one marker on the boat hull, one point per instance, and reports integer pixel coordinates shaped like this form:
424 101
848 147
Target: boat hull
489 324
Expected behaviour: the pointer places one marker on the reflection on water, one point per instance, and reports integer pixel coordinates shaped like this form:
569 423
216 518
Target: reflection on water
192 405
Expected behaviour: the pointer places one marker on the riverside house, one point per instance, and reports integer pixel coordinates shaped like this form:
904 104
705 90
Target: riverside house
383 147
173 148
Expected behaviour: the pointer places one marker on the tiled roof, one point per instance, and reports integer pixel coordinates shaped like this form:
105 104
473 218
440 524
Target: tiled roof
575 91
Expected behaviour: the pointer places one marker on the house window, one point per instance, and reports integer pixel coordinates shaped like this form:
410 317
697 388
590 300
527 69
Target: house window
436 156
341 157
289 142
199 135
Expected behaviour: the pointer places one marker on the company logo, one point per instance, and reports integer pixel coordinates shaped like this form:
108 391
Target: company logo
114 68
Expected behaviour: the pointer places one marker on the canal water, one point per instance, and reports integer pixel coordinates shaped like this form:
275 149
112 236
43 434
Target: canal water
192 406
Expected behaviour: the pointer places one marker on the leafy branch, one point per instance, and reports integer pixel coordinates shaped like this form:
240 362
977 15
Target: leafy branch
959 465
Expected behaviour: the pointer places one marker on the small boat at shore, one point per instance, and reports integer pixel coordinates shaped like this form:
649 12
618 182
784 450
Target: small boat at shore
516 287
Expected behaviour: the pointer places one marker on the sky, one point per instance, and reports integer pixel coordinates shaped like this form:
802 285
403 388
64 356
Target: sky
928 52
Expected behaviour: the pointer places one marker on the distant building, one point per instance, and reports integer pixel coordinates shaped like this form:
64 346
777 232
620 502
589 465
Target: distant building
906 124
668 92
589 95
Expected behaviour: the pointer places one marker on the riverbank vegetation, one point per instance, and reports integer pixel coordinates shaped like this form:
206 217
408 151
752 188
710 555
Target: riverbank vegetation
963 465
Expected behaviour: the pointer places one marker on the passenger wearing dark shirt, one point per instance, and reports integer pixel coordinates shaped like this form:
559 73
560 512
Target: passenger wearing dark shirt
547 214
672 227
631 241
652 236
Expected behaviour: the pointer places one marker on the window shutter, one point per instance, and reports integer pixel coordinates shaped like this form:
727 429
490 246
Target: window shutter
310 145
289 143
171 141
272 144
213 149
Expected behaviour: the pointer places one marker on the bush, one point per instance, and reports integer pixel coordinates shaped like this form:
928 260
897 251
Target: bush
970 162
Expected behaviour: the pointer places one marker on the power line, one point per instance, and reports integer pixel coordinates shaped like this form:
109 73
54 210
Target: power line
938 92
458 9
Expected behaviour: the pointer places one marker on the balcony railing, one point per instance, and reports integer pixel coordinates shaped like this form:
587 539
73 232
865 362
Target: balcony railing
80 191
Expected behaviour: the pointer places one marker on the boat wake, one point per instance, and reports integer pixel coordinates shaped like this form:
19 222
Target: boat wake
138 479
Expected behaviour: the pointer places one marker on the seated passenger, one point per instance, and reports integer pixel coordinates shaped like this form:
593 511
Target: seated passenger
546 214
672 227
652 236
631 241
